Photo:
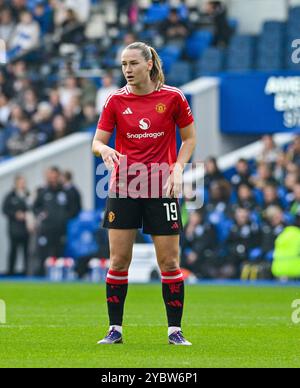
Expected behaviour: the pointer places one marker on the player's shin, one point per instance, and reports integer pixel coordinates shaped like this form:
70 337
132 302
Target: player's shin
116 291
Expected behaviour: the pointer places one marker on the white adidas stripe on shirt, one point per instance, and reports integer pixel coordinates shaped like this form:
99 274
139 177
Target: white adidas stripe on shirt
128 111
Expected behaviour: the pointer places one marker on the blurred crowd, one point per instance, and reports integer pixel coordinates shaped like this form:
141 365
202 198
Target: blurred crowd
233 236
42 95
37 222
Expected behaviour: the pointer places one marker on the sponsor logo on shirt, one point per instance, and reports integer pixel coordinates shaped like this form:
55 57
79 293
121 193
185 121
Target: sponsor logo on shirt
145 124
145 135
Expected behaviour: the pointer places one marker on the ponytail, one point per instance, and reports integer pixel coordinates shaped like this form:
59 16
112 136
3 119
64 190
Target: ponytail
157 74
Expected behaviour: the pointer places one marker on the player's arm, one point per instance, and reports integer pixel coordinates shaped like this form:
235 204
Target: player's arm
101 149
174 183
188 137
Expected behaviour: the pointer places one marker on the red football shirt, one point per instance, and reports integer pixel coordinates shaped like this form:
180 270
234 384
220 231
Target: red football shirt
146 131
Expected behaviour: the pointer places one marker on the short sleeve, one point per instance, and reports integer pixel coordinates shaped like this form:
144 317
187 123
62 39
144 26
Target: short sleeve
107 120
183 114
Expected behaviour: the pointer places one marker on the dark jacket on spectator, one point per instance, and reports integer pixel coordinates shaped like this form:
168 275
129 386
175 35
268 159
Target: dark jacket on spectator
13 203
53 206
74 199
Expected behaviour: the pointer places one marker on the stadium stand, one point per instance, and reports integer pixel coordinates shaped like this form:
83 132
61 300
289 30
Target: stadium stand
49 74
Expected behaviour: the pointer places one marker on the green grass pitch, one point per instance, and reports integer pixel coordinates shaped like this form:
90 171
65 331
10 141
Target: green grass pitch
58 325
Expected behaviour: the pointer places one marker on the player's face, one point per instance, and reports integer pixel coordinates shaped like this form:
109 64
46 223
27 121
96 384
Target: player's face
135 68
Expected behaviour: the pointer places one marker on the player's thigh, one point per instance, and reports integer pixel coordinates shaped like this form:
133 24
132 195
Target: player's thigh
167 252
121 245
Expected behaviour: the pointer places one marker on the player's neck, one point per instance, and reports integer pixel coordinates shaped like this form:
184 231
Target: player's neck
142 89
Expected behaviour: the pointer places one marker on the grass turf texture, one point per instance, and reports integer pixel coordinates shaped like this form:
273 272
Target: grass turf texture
58 325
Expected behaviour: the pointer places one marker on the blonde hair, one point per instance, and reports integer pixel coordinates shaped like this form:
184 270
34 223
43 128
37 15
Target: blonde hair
149 53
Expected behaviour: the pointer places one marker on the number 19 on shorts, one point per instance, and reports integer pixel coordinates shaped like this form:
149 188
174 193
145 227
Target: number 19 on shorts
171 209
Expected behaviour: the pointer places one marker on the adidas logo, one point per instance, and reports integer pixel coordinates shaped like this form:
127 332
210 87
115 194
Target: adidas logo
128 111
175 226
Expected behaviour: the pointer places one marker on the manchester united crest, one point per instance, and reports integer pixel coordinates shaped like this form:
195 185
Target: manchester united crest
111 216
161 108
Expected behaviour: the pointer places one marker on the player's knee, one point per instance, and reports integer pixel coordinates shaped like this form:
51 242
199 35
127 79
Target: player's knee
169 264
119 263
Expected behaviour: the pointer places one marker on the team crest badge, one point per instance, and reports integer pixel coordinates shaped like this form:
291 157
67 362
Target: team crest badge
161 108
111 216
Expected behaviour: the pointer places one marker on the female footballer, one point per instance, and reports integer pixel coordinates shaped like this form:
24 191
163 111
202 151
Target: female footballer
145 114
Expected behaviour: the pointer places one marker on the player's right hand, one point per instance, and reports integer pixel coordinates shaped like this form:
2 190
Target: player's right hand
110 157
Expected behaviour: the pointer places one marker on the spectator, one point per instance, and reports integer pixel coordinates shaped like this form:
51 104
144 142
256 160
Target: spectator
199 246
293 154
52 210
26 35
271 229
43 122
295 207
289 183
270 151
4 109
286 263
245 199
15 118
243 238
15 207
7 25
74 196
242 175
263 176
72 29
212 172
280 168
271 197
5 84
30 102
108 87
74 115
88 91
54 101
173 29
26 139
90 116
43 14
122 7
60 127
81 8
18 7
218 14
68 90
219 196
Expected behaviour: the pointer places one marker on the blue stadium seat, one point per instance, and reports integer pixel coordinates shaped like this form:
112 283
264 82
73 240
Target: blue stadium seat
180 73
169 55
294 15
269 62
234 24
197 43
156 13
274 27
211 62
240 54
